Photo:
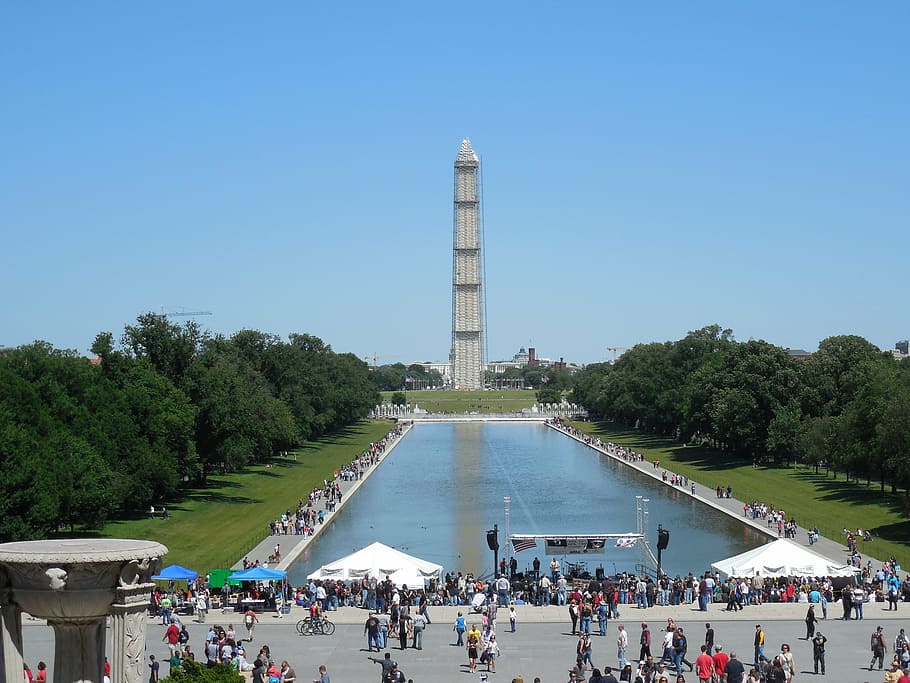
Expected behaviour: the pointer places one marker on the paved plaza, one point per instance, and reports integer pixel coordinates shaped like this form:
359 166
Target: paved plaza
542 646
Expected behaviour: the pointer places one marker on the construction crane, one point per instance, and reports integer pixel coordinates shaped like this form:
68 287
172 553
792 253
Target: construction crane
375 357
182 313
614 349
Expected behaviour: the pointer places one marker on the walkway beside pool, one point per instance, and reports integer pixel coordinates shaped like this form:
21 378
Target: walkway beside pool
292 545
835 551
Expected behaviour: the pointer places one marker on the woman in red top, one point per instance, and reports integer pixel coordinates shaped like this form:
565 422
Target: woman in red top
42 673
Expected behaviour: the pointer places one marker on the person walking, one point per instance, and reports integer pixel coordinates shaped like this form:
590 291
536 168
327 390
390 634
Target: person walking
404 627
680 646
810 622
418 624
584 650
250 620
645 642
788 663
704 666
323 675
622 643
877 643
472 645
759 643
459 628
492 652
818 651
573 615
371 631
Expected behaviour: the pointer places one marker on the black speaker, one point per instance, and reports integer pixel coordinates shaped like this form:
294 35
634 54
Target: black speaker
663 539
493 539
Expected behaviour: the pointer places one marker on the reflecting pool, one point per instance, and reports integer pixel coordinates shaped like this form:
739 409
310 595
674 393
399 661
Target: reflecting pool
443 486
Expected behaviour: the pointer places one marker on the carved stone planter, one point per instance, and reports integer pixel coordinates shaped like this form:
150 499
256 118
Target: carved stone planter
75 584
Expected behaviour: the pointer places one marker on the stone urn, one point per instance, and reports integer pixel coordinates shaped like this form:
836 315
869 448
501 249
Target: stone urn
76 584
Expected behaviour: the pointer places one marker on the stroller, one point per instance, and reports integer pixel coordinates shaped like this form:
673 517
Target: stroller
479 601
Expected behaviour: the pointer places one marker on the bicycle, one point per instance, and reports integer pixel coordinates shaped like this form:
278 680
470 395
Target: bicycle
306 627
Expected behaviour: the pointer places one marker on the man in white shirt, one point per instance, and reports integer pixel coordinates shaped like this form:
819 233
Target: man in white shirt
502 588
561 587
622 642
544 593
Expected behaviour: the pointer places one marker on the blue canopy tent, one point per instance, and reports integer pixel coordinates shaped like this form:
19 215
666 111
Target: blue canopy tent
258 574
175 572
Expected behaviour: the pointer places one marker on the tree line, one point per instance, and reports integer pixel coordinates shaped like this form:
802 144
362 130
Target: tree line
163 409
846 407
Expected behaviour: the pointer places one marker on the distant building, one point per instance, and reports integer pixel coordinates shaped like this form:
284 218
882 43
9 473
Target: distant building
903 347
798 354
520 358
443 369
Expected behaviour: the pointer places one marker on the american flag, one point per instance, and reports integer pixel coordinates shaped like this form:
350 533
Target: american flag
523 544
625 542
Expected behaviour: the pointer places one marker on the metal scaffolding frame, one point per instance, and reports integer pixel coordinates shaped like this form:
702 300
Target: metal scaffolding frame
467 356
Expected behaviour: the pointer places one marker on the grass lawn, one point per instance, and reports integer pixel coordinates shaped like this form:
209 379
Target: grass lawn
215 526
500 401
812 499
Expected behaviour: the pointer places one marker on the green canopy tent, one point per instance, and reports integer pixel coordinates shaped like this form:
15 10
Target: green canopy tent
217 578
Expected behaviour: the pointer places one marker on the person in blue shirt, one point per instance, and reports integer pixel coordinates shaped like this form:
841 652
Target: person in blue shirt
894 587
459 629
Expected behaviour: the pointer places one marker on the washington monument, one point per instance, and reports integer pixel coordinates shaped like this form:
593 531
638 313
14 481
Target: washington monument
467 355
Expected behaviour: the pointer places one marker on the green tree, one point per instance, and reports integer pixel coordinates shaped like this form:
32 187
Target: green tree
399 398
549 394
170 348
238 419
195 672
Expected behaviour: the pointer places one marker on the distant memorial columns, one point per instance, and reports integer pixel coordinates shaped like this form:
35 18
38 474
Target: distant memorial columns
75 585
391 410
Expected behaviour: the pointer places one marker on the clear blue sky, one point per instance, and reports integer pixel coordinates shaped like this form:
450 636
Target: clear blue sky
649 168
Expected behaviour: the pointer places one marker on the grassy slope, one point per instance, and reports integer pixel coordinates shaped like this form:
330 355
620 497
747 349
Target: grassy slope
216 525
500 401
812 499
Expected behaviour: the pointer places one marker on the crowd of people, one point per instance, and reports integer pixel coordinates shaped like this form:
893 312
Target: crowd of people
224 646
306 515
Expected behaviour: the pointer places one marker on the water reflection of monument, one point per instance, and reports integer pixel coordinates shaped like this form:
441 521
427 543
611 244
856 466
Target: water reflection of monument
456 474
467 470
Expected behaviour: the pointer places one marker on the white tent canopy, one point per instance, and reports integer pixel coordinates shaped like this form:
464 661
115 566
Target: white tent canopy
782 557
378 561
